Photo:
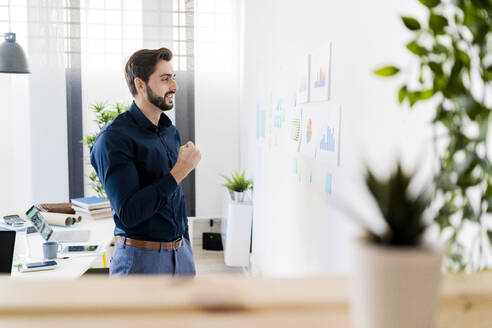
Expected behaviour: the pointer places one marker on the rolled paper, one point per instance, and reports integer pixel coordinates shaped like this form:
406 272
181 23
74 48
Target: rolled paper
61 219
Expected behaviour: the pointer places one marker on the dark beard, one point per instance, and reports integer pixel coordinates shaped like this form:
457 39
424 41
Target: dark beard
159 102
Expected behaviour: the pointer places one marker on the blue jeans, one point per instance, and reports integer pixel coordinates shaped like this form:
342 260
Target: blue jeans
132 260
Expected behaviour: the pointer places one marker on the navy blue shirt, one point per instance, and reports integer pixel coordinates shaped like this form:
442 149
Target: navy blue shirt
133 159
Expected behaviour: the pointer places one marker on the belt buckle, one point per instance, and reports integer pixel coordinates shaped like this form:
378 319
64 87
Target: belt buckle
176 242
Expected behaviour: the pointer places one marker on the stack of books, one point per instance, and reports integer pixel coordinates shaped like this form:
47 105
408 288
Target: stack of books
92 207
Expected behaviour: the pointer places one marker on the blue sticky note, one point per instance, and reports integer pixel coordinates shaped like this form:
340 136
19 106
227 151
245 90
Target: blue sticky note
328 183
309 174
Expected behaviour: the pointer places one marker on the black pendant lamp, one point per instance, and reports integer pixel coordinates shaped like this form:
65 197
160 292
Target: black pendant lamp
12 57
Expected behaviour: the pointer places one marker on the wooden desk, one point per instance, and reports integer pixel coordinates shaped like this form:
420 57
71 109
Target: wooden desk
466 301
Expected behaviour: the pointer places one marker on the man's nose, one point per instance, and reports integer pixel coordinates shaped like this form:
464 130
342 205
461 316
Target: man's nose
174 86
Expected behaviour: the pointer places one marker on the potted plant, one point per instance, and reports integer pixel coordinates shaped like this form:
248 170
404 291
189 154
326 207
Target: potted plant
104 114
396 276
238 185
451 51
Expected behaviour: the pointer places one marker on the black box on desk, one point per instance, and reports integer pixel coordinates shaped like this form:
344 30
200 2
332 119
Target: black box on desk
212 241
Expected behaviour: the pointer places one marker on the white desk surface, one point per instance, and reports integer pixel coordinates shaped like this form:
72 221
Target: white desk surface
72 268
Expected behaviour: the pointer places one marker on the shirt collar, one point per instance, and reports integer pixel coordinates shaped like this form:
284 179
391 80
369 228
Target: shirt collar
142 121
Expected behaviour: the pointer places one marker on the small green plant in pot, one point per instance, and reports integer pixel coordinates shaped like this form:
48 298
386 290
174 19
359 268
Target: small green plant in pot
238 185
395 275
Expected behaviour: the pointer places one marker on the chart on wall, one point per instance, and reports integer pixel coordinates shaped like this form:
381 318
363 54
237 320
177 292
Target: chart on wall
261 122
320 73
293 130
303 81
310 132
328 146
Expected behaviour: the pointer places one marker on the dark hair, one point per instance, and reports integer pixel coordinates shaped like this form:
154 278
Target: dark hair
142 64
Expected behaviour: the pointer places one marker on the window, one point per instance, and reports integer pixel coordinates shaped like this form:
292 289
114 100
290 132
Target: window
214 34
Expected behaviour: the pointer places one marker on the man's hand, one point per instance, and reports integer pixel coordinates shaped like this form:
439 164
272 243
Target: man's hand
188 158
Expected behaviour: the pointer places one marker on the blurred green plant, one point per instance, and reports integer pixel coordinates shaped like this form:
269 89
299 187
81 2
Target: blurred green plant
104 113
238 182
402 212
453 51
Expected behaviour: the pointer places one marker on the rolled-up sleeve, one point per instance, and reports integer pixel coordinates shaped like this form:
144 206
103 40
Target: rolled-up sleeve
113 160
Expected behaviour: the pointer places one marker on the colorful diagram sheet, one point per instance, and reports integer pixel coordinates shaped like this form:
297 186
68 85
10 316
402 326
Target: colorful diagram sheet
320 73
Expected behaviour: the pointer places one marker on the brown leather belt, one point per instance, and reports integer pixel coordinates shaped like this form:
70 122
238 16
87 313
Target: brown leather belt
155 245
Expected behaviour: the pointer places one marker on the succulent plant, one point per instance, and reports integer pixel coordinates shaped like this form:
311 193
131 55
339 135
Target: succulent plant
402 211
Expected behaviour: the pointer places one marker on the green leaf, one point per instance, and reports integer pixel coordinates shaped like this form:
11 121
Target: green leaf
402 93
468 180
387 71
469 213
439 49
448 209
463 57
487 74
483 123
430 3
445 183
436 68
417 49
426 94
489 235
443 222
440 82
419 95
454 83
472 108
437 23
488 197
413 97
456 257
411 23
480 34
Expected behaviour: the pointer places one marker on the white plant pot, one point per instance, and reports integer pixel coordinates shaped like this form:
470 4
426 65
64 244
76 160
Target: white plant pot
237 196
394 287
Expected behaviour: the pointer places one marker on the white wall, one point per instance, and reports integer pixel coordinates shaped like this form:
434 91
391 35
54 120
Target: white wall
48 125
297 230
217 137
33 146
216 101
15 145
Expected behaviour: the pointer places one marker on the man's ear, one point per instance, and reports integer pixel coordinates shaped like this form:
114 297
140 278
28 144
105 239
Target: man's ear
139 85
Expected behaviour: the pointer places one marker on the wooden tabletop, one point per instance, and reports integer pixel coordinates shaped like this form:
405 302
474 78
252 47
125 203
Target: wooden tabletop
222 301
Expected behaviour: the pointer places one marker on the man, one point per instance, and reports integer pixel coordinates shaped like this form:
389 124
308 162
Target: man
140 162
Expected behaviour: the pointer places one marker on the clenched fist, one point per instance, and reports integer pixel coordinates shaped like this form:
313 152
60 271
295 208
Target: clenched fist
188 158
